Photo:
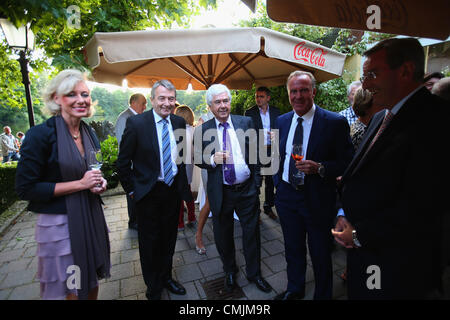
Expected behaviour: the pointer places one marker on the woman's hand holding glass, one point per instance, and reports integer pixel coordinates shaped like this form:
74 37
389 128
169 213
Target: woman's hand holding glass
95 161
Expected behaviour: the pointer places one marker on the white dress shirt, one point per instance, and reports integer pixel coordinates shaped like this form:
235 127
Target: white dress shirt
173 145
307 125
241 169
265 119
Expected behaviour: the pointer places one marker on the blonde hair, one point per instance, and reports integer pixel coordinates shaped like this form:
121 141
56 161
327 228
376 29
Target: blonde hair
186 113
362 102
62 84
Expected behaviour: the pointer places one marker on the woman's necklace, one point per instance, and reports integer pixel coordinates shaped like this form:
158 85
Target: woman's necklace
75 136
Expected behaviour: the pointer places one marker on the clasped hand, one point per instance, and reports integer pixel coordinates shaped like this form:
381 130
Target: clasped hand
342 233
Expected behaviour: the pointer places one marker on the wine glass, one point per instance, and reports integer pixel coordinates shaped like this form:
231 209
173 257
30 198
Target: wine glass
297 155
95 159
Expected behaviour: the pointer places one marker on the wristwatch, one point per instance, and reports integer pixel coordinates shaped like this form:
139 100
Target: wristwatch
321 170
355 239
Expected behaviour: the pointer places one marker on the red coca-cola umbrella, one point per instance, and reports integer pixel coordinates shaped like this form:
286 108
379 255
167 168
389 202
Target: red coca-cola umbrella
429 19
237 57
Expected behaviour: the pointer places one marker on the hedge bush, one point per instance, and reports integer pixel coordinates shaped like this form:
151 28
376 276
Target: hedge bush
110 151
7 192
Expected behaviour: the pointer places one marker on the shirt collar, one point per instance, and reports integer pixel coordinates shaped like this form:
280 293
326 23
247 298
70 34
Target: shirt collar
260 110
400 104
158 118
307 117
132 110
230 123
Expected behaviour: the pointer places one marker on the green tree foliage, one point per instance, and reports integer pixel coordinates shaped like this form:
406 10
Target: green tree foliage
195 100
61 39
62 33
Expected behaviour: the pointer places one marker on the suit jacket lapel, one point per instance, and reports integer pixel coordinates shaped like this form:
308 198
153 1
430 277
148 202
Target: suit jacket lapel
360 157
314 136
257 116
152 133
237 124
284 133
273 117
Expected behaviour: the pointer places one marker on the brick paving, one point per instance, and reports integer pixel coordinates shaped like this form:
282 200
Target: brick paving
18 263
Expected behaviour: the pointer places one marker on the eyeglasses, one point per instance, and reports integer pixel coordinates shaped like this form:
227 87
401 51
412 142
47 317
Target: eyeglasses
369 76
224 101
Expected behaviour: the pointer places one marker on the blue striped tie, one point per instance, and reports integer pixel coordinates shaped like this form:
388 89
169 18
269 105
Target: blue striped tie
167 157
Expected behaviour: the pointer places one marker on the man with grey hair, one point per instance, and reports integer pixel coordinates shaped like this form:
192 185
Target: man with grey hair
221 146
149 173
9 146
349 113
137 105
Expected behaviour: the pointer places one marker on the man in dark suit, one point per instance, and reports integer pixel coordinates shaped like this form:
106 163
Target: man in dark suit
138 104
306 204
264 118
157 184
391 201
226 147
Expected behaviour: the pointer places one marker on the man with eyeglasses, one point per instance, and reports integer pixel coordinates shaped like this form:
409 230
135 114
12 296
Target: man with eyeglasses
150 173
391 191
226 147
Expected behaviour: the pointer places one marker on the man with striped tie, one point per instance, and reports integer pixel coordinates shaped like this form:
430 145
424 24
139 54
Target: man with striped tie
157 182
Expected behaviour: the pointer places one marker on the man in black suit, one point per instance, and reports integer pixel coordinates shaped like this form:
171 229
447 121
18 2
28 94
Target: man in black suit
157 184
226 147
264 118
391 193
306 205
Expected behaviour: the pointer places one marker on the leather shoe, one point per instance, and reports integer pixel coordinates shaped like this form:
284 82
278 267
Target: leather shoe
261 284
230 282
152 296
270 213
175 287
287 295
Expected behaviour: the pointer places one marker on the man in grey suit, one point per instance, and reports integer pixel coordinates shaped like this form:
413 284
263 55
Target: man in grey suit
138 104
222 146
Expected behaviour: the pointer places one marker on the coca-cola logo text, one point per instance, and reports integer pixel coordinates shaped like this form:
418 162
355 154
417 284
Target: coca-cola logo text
309 55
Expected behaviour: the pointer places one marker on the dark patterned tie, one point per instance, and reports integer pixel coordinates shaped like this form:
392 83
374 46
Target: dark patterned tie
228 168
298 139
167 157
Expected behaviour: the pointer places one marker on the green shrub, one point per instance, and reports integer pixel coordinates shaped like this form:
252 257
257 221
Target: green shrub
7 192
110 150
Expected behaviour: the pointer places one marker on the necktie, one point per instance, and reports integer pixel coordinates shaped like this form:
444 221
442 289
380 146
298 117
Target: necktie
167 157
387 118
228 167
298 139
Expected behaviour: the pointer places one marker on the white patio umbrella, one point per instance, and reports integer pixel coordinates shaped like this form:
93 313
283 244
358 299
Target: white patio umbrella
236 57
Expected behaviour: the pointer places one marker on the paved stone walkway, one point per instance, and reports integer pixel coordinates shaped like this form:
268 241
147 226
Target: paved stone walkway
18 263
